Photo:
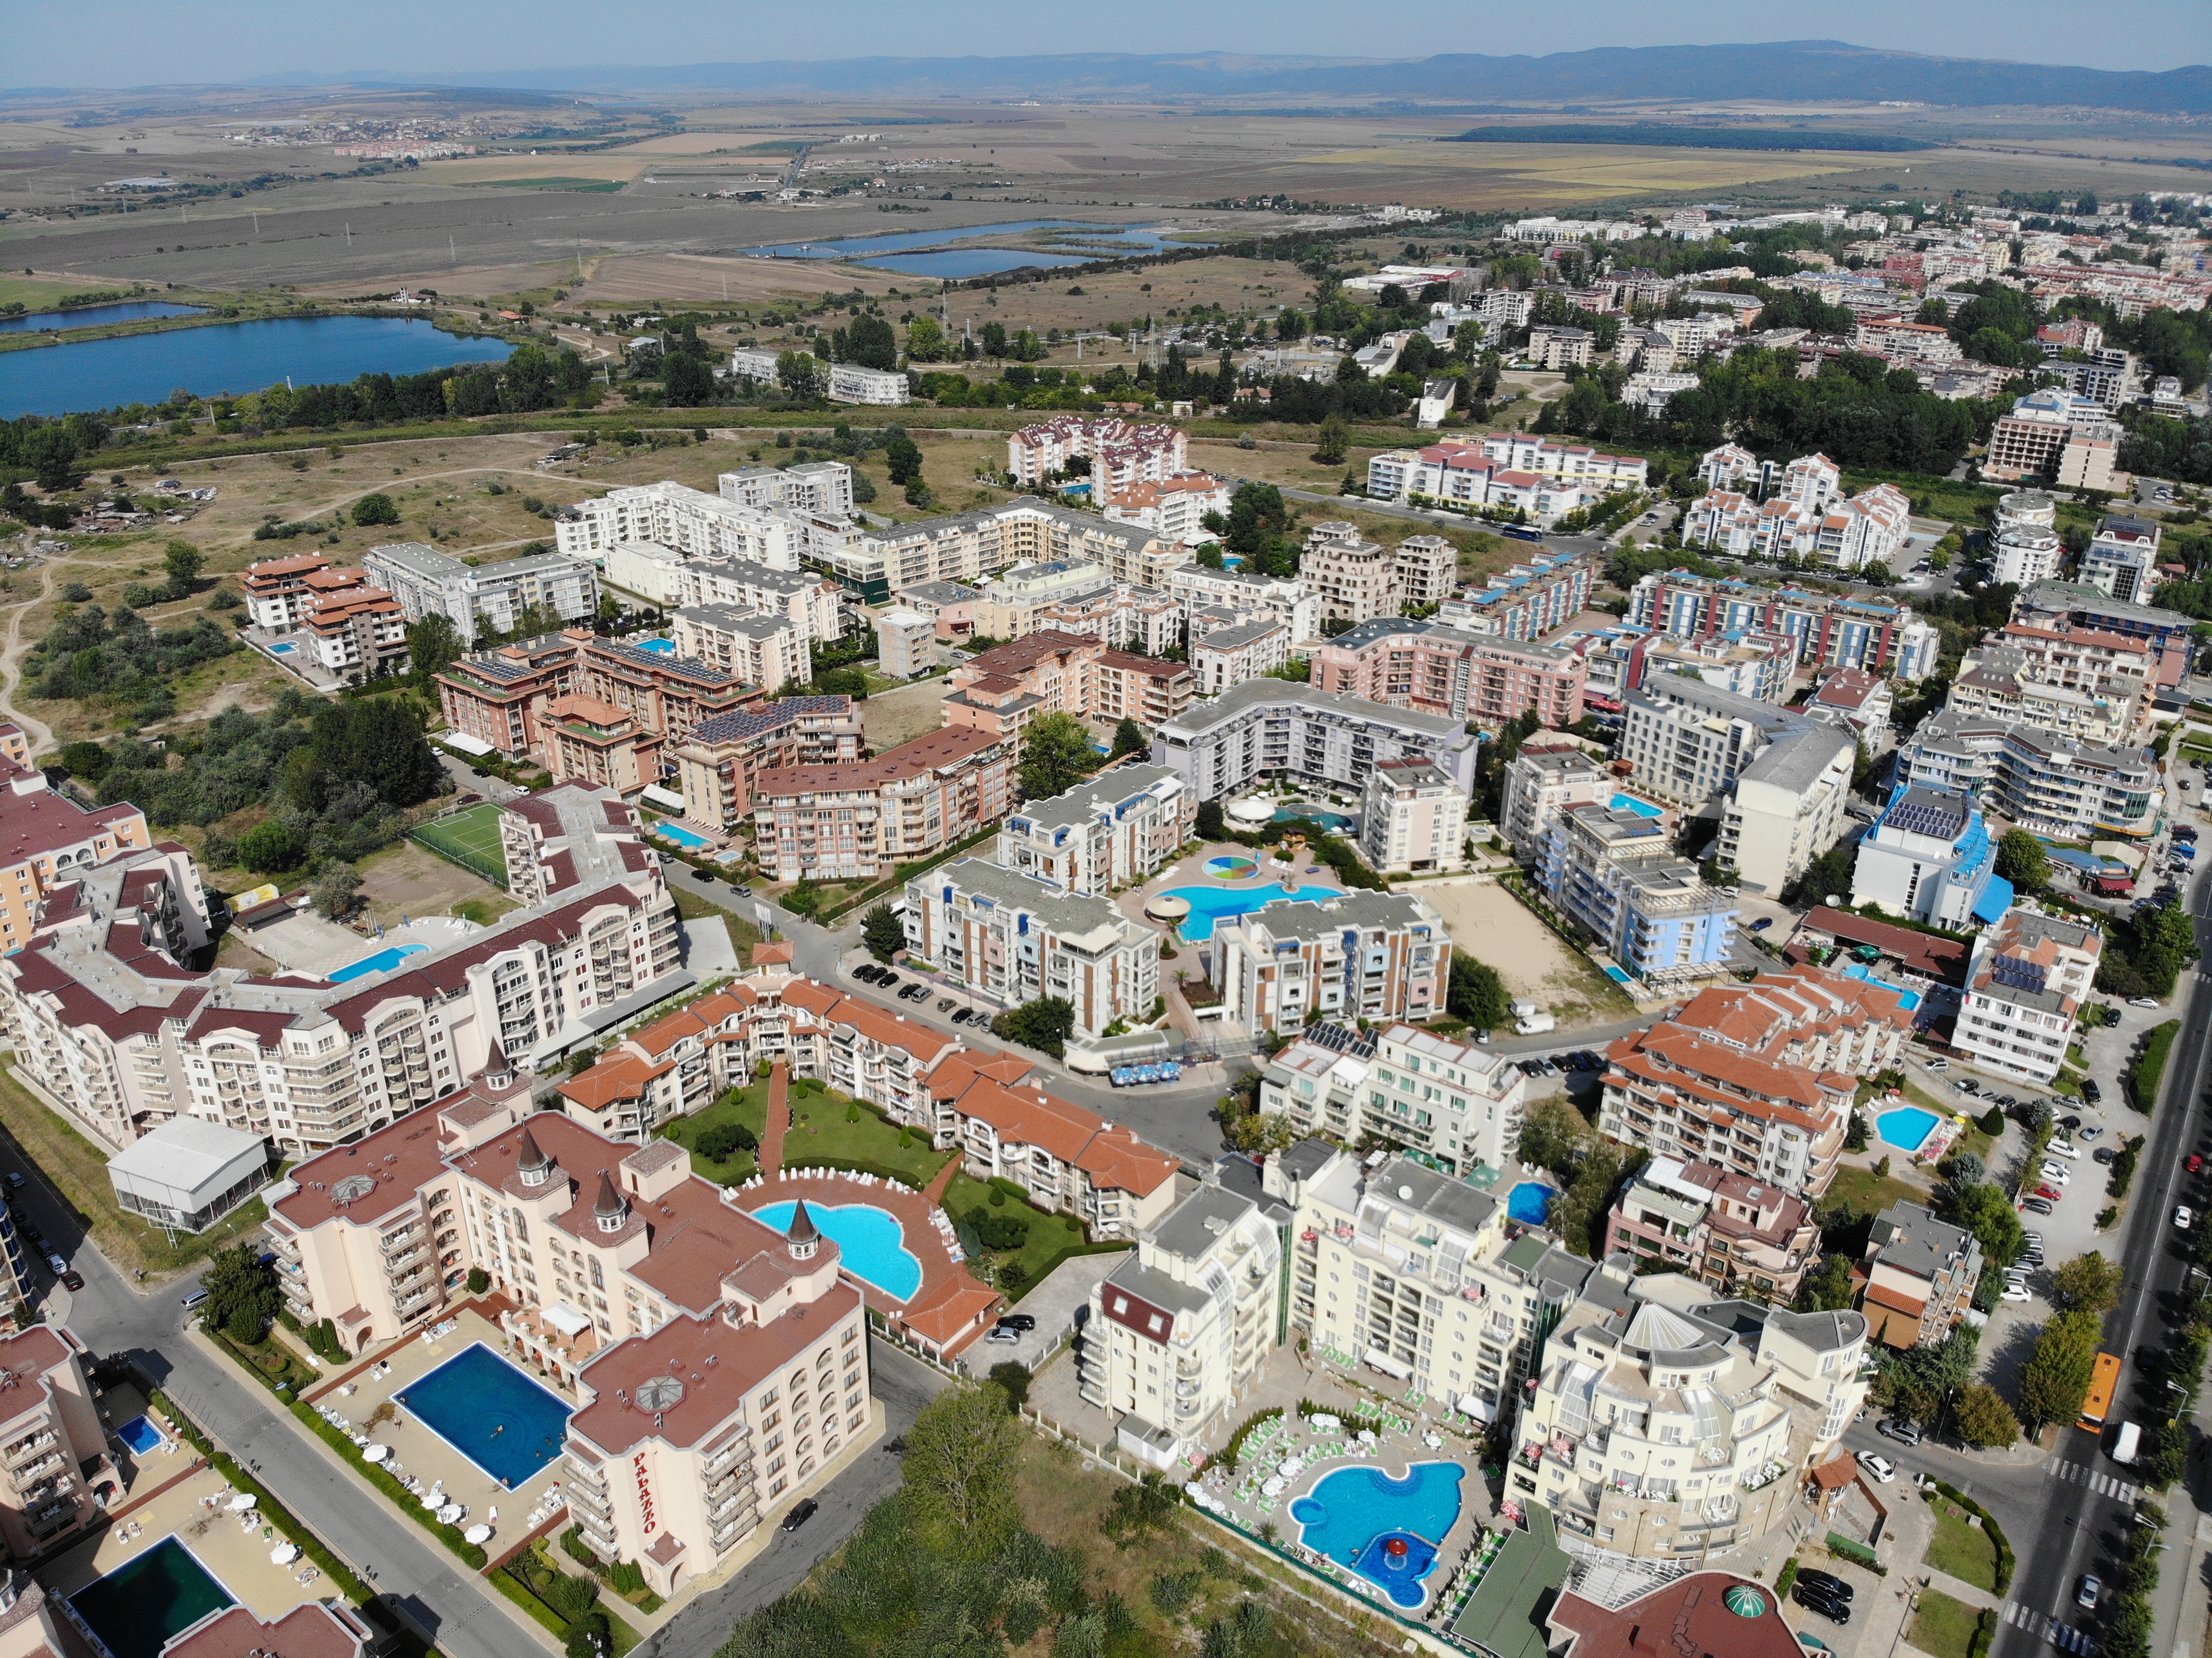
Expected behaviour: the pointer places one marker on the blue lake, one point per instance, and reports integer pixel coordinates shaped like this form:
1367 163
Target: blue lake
229 357
91 316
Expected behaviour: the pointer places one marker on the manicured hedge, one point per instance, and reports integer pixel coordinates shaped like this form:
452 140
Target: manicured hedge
504 1581
275 1512
1990 1528
406 1501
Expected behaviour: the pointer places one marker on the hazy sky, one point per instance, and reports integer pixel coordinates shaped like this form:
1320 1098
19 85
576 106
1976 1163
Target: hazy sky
150 42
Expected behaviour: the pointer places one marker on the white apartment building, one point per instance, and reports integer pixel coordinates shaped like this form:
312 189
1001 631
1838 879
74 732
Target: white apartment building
2047 783
1121 452
883 387
2030 974
689 522
105 1016
1412 818
1109 831
478 598
2121 561
1174 509
1277 727
1404 1272
1229 656
1368 955
1011 938
814 607
1667 1424
2025 554
1788 808
762 648
653 572
1184 1324
1551 774
1289 600
1653 390
814 486
1356 578
1458 1102
969 547
906 642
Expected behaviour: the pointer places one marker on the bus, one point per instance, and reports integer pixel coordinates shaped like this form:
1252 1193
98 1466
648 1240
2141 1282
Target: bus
1520 532
2104 1383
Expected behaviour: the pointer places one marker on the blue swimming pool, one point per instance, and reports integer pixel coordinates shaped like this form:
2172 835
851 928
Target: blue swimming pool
382 962
1907 1127
658 647
1530 1201
1641 808
1619 976
1355 1513
1865 974
870 1241
283 650
1334 821
1211 904
139 1437
689 840
492 1412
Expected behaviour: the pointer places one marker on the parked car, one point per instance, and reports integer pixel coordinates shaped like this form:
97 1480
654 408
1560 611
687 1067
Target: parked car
2035 1206
1835 1586
2065 1148
1939 1064
14 1180
58 1264
1879 1467
2092 1589
194 1298
2049 1194
961 1016
2194 1163
2184 1218
887 978
74 1280
801 1512
1762 924
1833 1610
2104 1154
2142 1001
1017 1322
2090 1091
944 1003
2056 1173
2016 1290
1967 1086
1905 1433
2089 1131
1002 1335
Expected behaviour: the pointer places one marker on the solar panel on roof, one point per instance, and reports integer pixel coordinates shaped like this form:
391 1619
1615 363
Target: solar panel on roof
1340 1039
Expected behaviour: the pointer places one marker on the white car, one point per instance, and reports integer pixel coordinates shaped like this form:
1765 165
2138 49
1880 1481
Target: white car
2064 1149
2016 1290
2058 1173
1879 1467
2142 1001
1939 1064
2184 1218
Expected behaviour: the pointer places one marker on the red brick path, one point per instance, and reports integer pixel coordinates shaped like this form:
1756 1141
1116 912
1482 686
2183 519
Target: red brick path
779 1120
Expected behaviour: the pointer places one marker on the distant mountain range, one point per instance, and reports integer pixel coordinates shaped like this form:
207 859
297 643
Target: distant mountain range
1797 70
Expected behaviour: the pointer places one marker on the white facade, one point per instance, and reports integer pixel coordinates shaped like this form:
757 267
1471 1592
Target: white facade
690 521
906 642
476 599
850 383
647 568
1287 599
1459 1102
1367 954
1114 830
1229 656
1412 818
2030 976
1012 939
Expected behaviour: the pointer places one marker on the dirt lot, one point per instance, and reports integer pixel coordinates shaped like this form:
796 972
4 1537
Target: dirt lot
1529 956
411 880
892 718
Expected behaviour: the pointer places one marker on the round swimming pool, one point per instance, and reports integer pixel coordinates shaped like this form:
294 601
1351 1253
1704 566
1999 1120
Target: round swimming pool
870 1241
1232 867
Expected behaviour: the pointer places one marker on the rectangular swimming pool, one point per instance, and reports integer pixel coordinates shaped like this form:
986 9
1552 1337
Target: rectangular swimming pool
689 840
492 1412
146 1603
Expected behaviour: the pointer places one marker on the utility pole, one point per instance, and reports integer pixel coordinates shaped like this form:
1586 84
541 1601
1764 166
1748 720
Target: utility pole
453 253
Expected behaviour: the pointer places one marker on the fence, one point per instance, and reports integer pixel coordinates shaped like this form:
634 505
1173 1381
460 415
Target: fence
437 835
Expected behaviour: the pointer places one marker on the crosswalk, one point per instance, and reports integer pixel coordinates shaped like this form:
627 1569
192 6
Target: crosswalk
2043 1627
2103 1484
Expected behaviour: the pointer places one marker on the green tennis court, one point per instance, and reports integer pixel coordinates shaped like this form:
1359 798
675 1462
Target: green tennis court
470 838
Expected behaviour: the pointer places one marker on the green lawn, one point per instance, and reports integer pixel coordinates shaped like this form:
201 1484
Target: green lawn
1944 1627
749 1107
1050 1235
470 838
827 1127
1962 1549
1865 1191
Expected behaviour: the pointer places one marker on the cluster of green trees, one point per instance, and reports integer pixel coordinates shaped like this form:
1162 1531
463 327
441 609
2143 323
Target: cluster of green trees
120 660
2056 1378
946 1567
2145 951
337 783
54 452
1044 1024
1592 1171
243 1294
1257 529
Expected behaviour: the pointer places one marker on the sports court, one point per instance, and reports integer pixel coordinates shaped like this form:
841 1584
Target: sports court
470 838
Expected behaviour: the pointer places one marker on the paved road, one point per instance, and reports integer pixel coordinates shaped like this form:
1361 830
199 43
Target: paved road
2086 1497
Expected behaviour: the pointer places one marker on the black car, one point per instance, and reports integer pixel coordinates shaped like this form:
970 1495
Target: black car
1021 1321
803 1511
886 978
1828 1582
2090 1091
865 973
1830 1608
2069 1123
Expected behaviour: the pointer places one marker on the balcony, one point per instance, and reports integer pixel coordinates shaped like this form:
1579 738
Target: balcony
24 1447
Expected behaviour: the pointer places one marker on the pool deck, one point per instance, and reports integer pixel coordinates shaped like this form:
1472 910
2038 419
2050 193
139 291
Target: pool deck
1191 958
235 1548
952 1308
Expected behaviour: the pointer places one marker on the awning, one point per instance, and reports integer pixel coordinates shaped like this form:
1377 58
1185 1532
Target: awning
465 743
565 1318
1995 899
1390 1366
654 795
1476 1406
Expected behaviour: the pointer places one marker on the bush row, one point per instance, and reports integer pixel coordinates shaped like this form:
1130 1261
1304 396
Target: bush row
275 1512
406 1501
1989 1527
